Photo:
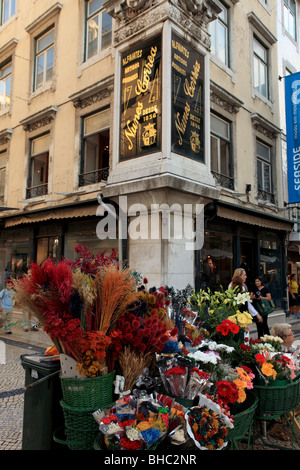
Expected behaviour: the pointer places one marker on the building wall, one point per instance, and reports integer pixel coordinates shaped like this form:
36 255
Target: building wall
80 87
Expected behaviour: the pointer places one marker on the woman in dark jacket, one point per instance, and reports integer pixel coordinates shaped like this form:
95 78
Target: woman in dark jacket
261 292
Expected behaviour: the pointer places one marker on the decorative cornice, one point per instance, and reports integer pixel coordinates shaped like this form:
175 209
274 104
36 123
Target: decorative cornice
133 17
264 127
261 28
224 99
45 17
8 48
97 92
5 136
40 119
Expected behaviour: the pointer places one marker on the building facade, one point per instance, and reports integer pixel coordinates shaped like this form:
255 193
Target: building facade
288 20
151 126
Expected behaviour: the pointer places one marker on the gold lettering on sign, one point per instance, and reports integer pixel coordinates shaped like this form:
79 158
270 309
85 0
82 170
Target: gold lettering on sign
181 124
189 87
142 85
132 126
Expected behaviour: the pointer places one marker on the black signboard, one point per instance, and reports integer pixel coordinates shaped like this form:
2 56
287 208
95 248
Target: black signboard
187 100
140 127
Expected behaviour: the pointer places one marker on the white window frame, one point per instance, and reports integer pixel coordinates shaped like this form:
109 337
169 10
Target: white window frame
290 18
11 10
43 53
89 17
214 31
262 64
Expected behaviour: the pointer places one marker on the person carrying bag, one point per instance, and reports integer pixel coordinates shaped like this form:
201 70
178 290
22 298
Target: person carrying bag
261 299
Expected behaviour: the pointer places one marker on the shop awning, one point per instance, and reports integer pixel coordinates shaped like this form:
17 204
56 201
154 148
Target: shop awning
53 214
274 223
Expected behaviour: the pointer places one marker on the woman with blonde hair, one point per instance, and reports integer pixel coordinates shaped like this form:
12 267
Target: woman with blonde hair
239 279
284 331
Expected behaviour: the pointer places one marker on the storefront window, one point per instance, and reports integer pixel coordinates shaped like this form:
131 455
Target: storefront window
216 260
14 254
271 267
77 234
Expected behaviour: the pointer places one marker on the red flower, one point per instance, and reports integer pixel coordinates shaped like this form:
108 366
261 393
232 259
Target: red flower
244 347
260 358
227 391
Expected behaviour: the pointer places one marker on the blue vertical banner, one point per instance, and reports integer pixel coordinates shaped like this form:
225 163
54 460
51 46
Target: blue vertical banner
292 111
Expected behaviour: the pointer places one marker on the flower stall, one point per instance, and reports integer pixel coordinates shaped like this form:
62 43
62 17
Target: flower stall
137 374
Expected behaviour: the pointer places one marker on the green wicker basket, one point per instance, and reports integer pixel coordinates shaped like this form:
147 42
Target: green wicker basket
277 400
93 392
81 427
243 421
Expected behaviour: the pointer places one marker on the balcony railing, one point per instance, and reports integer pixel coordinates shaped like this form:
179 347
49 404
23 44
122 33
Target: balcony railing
36 191
92 177
223 180
265 196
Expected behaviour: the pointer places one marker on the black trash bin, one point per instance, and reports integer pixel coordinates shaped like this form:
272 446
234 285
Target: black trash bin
42 411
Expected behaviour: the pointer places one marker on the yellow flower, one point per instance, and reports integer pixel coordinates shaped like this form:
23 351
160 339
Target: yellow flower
226 301
188 300
232 318
211 311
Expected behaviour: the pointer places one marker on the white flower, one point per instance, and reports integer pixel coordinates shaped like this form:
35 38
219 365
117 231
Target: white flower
206 357
242 298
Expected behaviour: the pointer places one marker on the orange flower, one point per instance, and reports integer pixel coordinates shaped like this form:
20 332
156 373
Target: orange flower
268 370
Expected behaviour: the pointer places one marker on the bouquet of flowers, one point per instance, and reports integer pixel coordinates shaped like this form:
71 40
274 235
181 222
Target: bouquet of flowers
232 387
137 339
136 424
207 425
180 377
78 304
275 366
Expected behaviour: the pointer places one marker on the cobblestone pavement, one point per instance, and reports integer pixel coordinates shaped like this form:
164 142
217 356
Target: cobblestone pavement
12 381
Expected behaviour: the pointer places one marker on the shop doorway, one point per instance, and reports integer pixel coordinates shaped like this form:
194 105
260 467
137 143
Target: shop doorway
247 259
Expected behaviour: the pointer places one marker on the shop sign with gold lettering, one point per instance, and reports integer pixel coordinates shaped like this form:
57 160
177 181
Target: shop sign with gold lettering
187 100
140 126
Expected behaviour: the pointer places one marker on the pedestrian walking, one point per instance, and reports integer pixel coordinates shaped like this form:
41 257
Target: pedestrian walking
7 301
261 292
293 289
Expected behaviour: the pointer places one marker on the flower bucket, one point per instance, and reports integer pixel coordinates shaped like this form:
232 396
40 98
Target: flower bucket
277 399
92 392
81 427
243 420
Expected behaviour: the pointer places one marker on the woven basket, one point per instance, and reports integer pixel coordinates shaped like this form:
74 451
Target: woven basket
81 427
243 421
93 392
277 400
